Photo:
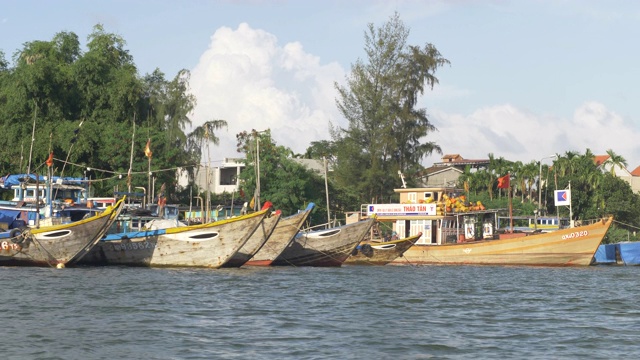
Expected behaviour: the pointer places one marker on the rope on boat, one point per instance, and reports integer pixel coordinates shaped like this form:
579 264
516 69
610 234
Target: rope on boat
628 225
26 236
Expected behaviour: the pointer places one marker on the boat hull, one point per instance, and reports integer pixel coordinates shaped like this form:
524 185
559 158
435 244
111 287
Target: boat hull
567 247
324 248
282 236
207 245
255 242
57 245
380 253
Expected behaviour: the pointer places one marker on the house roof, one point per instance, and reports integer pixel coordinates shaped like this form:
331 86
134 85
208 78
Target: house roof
600 159
438 169
636 171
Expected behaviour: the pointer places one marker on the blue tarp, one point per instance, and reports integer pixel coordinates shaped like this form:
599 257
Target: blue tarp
8 216
630 253
606 254
13 180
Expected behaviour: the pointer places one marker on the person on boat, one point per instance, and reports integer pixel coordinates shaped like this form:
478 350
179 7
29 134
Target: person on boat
394 236
162 201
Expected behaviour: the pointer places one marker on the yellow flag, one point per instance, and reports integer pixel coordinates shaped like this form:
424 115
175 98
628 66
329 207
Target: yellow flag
147 149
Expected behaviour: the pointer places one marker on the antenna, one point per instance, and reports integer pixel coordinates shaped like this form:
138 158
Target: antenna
404 184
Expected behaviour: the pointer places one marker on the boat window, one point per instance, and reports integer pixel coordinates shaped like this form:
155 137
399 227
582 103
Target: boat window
412 197
330 233
205 236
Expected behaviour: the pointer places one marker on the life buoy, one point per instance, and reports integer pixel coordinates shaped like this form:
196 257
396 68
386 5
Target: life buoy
16 235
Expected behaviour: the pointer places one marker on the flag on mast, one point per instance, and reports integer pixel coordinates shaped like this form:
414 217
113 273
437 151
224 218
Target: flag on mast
49 161
503 182
147 149
562 197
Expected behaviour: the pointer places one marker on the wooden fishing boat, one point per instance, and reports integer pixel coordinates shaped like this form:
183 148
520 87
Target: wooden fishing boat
205 245
56 245
568 247
329 247
380 253
458 236
282 236
255 242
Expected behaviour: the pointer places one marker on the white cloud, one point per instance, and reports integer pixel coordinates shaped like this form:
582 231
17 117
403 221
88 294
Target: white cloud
515 134
248 79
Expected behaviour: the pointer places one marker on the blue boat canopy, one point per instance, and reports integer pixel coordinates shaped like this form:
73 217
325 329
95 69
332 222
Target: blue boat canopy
9 181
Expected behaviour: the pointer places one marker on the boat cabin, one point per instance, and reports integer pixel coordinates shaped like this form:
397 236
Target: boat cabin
441 214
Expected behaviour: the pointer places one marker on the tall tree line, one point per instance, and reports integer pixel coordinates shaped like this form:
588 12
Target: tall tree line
58 86
386 132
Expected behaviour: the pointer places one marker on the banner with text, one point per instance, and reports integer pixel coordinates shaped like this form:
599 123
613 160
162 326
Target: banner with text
401 209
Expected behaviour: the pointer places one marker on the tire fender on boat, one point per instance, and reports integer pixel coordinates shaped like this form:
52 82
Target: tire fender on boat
366 250
15 235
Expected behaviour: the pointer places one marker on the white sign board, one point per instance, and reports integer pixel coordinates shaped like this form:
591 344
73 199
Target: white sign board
562 197
401 209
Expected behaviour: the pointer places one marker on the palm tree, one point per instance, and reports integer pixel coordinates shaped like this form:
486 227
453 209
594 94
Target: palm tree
197 139
530 173
615 160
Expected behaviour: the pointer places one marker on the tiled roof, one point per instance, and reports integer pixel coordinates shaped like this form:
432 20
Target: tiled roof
600 159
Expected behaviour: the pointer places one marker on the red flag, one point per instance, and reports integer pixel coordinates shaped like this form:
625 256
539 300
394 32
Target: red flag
147 149
266 205
49 161
503 182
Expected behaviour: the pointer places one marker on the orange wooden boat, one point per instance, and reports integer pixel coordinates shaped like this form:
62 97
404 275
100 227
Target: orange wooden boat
457 236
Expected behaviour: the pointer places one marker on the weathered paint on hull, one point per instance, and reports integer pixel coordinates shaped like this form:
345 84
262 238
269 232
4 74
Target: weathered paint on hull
282 236
207 245
567 247
57 245
325 248
255 242
381 256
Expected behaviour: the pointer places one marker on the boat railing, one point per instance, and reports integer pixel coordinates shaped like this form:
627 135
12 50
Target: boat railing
328 225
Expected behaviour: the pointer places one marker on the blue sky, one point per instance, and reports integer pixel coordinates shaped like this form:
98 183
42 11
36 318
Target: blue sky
527 78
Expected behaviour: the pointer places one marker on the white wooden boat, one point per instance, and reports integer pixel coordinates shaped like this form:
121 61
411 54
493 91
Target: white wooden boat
56 245
329 247
206 245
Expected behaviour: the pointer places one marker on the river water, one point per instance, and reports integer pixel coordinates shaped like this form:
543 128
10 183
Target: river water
389 312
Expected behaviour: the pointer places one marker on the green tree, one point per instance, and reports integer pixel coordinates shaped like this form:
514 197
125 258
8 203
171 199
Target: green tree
385 131
614 161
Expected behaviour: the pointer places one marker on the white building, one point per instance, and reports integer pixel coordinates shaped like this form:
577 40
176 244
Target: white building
224 178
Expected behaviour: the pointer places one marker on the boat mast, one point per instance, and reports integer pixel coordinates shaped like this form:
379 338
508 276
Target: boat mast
33 137
326 189
133 136
257 203
207 177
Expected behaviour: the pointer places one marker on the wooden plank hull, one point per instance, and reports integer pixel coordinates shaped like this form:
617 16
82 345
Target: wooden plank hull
380 253
207 245
57 245
330 247
255 242
282 236
567 247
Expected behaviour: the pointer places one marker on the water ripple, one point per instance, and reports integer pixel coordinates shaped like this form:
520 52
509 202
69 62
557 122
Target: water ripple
404 312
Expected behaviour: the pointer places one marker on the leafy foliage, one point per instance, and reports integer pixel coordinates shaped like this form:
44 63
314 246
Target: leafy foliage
385 132
85 106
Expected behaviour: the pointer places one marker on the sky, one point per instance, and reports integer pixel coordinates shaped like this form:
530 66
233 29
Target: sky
527 79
